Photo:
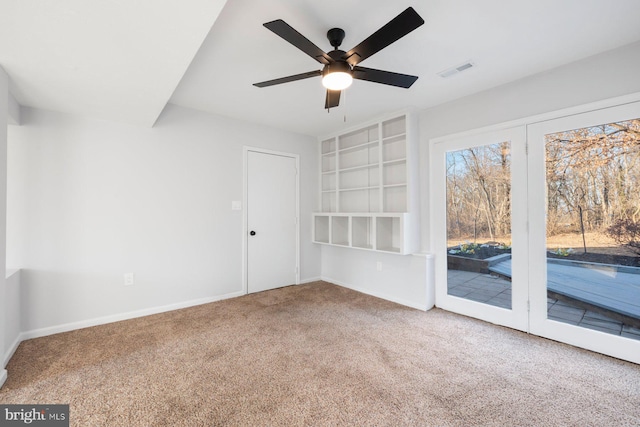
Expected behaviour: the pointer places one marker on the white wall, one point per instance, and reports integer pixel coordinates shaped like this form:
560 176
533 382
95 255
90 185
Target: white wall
607 75
404 279
13 321
4 117
91 200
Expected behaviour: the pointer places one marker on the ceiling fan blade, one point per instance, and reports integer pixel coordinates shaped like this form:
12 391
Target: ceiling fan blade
395 29
332 99
288 33
288 79
384 77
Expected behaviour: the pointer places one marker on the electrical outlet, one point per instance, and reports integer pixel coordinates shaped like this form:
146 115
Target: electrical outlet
379 266
129 279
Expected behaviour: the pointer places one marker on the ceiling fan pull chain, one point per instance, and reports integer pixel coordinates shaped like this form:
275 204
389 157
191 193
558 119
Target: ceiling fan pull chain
344 105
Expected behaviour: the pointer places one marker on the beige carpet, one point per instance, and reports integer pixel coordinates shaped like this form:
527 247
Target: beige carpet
319 354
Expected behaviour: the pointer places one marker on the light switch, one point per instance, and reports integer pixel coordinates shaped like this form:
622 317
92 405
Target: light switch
236 205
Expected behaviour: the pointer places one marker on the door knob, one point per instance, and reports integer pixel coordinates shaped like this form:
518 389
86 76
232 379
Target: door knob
253 233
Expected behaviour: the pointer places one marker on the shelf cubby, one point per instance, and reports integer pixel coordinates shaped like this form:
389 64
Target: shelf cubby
340 230
361 232
373 232
394 173
393 127
358 137
359 177
362 156
394 198
321 229
329 162
394 148
389 234
329 181
329 202
364 199
328 146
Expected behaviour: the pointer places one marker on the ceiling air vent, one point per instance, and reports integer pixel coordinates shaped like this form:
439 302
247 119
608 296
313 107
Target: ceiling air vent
455 70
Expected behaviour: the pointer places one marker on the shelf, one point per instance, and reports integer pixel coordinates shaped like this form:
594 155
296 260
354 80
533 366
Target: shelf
358 188
356 147
390 249
396 161
397 136
365 180
366 231
356 168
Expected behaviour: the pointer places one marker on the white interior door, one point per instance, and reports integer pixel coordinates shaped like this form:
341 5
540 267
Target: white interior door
479 226
272 220
584 177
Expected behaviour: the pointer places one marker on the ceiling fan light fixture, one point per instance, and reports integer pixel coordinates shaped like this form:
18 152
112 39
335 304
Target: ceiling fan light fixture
337 80
337 76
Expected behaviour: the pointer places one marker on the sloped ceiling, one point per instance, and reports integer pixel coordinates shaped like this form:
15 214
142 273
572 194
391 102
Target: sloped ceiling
110 59
123 60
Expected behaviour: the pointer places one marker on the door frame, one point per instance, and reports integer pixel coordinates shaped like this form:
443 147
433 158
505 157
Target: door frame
608 344
245 217
516 317
578 336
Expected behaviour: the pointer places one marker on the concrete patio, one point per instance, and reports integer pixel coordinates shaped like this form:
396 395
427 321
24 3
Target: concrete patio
493 290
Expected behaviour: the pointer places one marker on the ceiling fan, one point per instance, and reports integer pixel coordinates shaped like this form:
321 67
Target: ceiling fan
340 67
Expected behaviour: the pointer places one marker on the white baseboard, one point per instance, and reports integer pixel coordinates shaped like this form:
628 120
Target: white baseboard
309 280
3 377
400 301
11 350
66 327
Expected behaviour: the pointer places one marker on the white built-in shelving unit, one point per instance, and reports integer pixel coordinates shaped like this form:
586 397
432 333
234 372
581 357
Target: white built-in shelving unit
366 195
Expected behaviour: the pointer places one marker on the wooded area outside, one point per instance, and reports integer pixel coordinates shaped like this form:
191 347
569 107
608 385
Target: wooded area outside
593 183
595 173
479 193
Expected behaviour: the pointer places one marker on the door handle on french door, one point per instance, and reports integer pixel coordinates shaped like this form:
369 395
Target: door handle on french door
253 233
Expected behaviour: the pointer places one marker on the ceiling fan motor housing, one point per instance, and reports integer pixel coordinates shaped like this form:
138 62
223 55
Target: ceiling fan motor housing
335 36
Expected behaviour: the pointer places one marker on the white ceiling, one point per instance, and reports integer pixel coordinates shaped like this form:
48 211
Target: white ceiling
110 59
121 60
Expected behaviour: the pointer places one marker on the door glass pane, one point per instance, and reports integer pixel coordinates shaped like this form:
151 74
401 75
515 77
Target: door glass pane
593 227
479 224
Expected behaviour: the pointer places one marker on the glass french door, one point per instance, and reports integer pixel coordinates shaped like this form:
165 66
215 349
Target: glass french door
584 240
479 231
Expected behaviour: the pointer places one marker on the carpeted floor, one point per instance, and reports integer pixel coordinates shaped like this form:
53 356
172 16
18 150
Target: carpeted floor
315 355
